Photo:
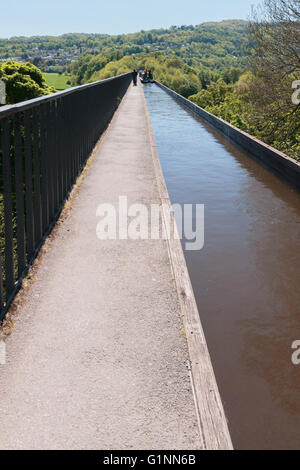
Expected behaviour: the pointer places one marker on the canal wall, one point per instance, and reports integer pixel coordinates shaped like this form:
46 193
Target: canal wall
277 161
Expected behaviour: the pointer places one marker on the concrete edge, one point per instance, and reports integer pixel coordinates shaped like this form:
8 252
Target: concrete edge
213 427
281 164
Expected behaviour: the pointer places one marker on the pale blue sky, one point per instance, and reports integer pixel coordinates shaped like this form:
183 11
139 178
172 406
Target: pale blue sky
38 17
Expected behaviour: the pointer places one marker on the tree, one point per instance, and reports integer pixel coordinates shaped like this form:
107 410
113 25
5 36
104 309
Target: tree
23 81
275 62
275 32
172 71
232 75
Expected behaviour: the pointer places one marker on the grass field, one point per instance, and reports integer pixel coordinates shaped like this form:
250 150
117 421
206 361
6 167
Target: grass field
57 81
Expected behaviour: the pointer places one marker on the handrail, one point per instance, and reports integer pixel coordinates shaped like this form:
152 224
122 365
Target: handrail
10 109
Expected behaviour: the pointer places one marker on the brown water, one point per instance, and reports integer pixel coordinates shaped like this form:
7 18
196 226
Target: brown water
246 278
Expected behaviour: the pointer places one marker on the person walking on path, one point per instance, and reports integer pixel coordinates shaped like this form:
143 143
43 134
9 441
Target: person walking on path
134 77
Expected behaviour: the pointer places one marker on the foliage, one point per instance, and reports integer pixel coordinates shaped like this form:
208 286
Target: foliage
171 71
209 45
86 66
275 35
241 105
230 102
23 81
211 48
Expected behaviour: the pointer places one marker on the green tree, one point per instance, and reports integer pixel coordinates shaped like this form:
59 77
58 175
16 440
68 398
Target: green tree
275 35
23 81
172 71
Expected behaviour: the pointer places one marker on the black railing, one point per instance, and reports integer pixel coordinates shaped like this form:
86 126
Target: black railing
44 144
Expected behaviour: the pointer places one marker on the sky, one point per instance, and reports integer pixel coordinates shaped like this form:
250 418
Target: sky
54 17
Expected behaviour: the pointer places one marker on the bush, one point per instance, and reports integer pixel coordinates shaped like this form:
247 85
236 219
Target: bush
23 81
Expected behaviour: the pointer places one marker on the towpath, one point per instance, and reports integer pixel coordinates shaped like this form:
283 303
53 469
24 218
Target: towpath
98 356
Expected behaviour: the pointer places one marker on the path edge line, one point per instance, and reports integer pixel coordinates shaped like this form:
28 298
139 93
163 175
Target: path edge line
209 408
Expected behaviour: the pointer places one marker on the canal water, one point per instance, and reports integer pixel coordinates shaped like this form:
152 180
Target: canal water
246 279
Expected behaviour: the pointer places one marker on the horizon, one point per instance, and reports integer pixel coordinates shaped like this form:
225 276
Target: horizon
114 17
120 34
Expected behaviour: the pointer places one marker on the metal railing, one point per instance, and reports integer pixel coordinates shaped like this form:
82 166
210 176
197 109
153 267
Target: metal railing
44 145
